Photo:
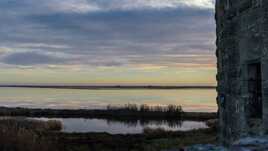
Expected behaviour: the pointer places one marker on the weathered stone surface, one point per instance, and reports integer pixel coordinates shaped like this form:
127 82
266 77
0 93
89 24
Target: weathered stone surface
245 144
251 144
242 44
206 148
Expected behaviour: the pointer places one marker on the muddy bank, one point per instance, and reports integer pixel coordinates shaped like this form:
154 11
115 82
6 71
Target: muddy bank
155 140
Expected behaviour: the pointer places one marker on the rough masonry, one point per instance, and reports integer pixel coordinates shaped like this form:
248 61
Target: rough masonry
242 52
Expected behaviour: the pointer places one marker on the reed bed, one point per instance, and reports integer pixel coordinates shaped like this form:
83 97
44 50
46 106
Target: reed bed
169 111
128 111
30 124
19 134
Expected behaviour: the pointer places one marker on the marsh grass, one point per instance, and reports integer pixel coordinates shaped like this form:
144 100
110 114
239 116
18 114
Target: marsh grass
30 124
19 134
169 111
113 112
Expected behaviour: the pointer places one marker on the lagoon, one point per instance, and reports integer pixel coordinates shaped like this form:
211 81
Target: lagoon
193 100
82 125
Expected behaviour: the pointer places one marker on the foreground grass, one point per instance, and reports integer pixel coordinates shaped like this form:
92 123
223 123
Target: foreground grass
28 124
26 135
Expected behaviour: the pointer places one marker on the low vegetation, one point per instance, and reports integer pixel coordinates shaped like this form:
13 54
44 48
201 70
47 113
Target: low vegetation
126 112
18 134
24 123
170 111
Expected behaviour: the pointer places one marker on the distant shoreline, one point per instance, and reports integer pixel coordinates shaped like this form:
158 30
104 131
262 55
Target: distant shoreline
105 87
117 114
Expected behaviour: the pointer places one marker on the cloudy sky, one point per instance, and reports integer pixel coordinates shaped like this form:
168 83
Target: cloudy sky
107 42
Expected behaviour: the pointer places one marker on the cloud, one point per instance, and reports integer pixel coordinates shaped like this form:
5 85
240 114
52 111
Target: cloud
85 6
31 58
72 6
42 45
108 33
95 6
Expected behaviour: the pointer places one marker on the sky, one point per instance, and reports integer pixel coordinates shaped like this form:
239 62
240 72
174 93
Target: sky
143 42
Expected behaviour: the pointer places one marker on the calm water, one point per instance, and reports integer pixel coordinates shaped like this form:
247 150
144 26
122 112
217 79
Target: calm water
96 125
190 99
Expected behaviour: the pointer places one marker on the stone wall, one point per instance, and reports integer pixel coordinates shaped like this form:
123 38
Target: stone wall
242 37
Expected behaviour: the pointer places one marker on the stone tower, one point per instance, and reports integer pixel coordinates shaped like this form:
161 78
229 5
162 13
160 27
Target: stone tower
242 52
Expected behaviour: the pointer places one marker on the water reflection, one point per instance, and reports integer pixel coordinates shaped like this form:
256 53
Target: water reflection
172 123
82 125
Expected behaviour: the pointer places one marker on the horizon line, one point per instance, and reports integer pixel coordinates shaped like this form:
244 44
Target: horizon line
108 86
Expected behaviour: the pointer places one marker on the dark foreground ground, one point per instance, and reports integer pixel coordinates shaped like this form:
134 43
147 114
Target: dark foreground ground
29 135
155 140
